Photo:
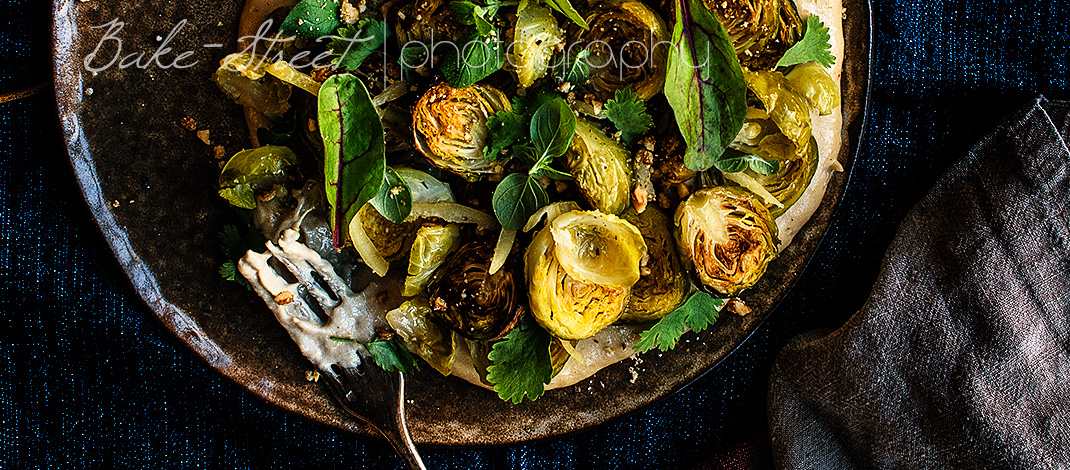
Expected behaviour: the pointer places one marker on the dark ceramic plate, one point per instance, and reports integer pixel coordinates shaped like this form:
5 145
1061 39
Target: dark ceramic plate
151 184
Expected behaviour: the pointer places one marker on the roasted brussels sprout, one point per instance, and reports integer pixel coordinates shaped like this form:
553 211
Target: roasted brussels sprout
623 41
789 183
600 166
253 170
472 302
535 38
727 238
389 239
426 22
662 285
421 335
777 126
244 78
815 84
761 30
450 127
580 268
433 243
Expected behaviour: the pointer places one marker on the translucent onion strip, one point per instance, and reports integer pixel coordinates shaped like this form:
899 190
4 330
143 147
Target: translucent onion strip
366 248
501 250
285 72
453 212
753 186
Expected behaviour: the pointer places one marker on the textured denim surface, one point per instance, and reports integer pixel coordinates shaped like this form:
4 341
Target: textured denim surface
90 379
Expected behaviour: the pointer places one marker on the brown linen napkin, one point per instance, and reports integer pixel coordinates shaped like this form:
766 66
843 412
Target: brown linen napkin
961 356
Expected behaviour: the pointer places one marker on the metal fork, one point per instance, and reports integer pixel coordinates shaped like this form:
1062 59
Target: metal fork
363 389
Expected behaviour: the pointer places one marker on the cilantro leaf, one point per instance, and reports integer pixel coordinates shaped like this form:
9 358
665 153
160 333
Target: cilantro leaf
698 312
480 56
356 43
520 362
628 113
391 356
506 128
312 19
814 46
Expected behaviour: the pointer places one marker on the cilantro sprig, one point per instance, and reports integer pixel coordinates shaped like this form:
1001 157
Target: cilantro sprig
520 362
698 312
814 46
628 114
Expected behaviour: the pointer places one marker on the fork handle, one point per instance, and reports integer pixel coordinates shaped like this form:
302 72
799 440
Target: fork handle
398 432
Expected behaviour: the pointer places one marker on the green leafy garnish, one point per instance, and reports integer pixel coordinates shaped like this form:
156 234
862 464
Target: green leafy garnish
312 19
253 169
520 362
565 8
391 356
394 200
734 161
698 312
356 43
814 46
518 196
481 55
506 128
354 149
576 71
235 242
704 84
468 13
628 114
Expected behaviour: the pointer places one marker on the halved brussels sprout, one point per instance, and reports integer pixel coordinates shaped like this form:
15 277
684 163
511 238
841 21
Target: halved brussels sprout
426 22
788 184
626 47
421 335
727 237
783 106
535 38
814 83
450 127
470 301
433 243
254 170
761 30
600 166
580 268
389 239
244 79
662 285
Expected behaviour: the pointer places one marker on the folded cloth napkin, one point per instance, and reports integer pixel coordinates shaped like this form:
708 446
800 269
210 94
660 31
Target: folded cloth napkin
961 356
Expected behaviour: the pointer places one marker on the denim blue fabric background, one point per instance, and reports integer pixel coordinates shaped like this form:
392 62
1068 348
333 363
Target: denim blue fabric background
91 379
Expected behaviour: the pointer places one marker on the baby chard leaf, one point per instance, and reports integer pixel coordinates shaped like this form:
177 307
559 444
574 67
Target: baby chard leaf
354 149
704 84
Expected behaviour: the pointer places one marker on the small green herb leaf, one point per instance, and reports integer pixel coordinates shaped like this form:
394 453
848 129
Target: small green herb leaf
704 84
506 128
312 19
732 161
516 198
577 71
354 149
356 43
394 200
520 362
565 8
468 13
552 127
628 114
698 313
814 46
481 55
391 356
763 166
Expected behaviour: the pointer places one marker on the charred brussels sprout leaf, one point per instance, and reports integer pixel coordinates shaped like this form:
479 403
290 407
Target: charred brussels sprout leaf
535 38
815 84
421 335
472 302
244 79
433 243
253 170
520 363
727 237
600 167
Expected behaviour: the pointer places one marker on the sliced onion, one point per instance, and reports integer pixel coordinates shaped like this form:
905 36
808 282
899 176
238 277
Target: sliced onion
753 186
501 250
285 72
551 212
391 93
453 212
366 248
